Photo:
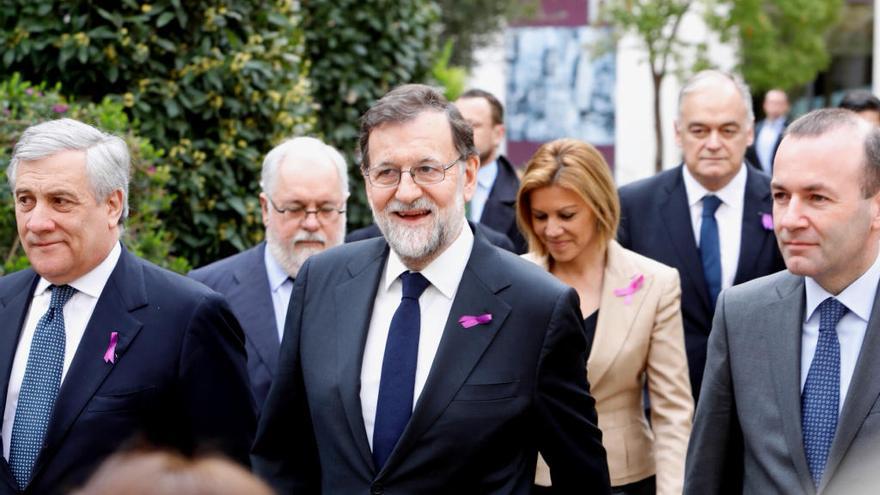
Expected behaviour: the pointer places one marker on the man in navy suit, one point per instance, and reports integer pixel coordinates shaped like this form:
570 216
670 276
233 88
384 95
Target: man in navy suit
99 347
427 361
305 186
663 217
494 200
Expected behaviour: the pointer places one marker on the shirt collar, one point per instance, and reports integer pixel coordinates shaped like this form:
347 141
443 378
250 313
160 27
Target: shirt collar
858 297
277 275
445 272
93 282
487 173
732 194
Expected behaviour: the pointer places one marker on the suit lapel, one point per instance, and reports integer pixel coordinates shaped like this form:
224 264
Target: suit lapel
676 216
354 299
502 197
783 341
460 348
616 316
863 393
258 315
125 291
14 305
754 236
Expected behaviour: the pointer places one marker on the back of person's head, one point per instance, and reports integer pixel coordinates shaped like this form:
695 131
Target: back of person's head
167 473
859 100
578 167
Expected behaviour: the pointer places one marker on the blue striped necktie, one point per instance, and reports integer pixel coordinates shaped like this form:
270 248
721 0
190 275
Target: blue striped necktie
39 388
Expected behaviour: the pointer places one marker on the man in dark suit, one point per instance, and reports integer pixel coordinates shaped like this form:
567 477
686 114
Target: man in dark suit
791 395
305 186
427 361
494 200
98 346
711 217
768 132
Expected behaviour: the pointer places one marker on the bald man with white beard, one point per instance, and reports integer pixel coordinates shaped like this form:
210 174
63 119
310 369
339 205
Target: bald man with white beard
304 189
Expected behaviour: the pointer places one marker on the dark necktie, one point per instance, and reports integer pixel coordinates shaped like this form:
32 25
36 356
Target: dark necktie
710 250
397 384
39 387
821 397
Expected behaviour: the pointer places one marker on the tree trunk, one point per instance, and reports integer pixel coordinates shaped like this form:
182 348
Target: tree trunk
657 79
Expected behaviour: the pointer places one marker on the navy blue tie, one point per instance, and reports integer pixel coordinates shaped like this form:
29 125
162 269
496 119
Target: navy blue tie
710 249
39 387
397 385
820 400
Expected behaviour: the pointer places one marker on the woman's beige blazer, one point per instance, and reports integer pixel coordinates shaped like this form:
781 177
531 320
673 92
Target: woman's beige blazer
636 340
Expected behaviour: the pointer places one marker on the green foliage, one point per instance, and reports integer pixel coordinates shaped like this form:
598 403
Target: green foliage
23 104
212 85
472 24
360 49
782 42
452 78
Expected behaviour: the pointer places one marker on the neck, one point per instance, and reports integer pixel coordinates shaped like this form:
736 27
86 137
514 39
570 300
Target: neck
837 283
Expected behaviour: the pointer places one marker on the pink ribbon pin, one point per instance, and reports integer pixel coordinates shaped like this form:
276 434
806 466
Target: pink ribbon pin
468 321
767 221
628 291
110 353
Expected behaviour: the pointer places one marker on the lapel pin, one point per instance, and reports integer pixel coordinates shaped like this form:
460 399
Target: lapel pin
468 321
767 221
627 292
110 353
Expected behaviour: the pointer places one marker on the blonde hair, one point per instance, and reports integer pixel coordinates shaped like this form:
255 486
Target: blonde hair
168 473
578 167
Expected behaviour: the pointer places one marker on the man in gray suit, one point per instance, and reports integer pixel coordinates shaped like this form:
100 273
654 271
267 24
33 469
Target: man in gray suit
305 186
790 393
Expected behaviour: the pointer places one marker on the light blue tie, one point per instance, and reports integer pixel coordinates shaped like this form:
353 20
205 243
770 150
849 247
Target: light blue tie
821 397
710 248
39 388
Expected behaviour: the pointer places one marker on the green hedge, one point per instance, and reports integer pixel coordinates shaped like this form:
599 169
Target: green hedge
212 85
23 104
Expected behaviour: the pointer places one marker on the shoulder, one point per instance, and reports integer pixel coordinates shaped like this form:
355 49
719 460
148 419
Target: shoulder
249 258
757 178
764 289
12 284
647 188
643 264
505 170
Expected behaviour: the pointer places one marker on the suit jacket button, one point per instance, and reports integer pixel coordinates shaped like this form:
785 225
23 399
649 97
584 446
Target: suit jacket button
376 489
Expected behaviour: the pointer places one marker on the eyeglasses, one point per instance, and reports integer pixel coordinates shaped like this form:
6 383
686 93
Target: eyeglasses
325 214
424 174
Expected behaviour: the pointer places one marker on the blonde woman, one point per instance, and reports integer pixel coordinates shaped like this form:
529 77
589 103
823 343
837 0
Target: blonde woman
568 209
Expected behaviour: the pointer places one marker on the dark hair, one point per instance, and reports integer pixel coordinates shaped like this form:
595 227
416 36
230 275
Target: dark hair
494 104
825 120
405 103
859 100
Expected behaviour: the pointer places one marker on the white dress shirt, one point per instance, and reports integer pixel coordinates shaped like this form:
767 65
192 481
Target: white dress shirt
77 313
729 217
485 180
859 299
280 287
766 142
444 273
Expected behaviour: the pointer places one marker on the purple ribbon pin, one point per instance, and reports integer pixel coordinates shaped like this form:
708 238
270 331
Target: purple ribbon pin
110 353
468 321
767 221
628 291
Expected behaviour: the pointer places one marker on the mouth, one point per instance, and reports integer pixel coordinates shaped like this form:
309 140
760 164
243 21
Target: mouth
412 216
43 244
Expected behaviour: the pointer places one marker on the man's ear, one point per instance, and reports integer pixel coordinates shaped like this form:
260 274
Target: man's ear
114 203
264 207
472 164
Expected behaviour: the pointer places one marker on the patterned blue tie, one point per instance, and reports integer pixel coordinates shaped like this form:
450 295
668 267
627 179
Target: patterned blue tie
397 384
821 397
39 388
710 249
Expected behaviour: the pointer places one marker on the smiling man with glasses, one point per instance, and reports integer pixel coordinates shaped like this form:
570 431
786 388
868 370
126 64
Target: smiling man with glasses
427 360
305 186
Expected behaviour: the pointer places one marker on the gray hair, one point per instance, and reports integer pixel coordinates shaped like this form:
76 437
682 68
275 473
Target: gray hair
711 78
302 147
404 104
108 163
826 120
